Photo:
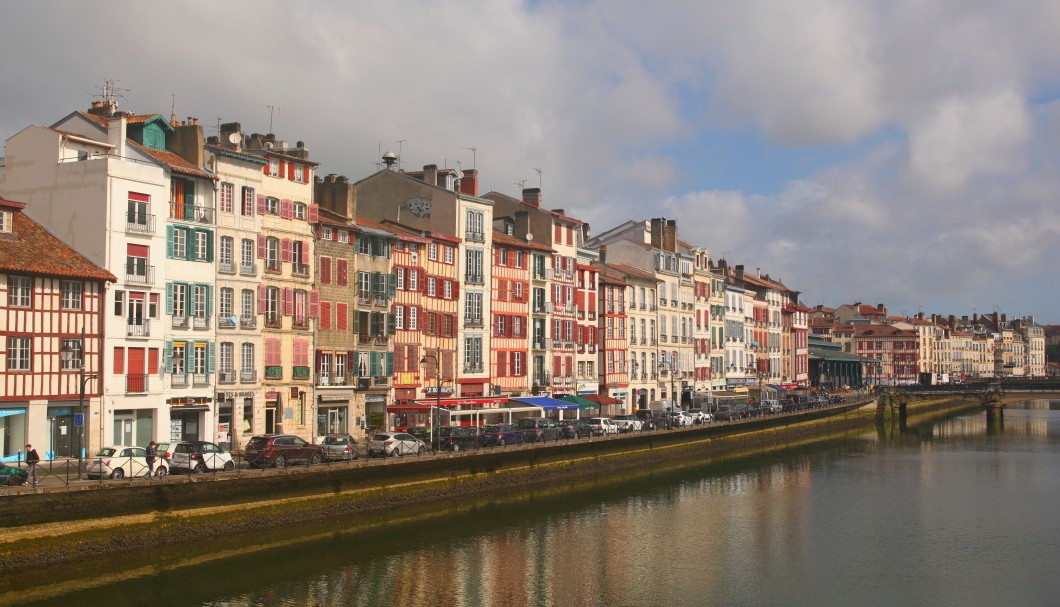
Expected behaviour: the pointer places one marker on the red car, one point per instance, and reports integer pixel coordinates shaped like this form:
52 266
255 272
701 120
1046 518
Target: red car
281 450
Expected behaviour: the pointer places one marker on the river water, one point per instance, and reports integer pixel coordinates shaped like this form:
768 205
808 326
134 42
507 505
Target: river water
947 511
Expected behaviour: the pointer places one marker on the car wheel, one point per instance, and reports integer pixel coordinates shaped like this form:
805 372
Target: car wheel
198 469
229 466
118 474
421 450
315 459
279 462
161 471
14 480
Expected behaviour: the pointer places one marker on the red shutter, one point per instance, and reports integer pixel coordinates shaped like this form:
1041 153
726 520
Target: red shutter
285 250
305 174
557 366
305 253
288 301
261 246
267 168
314 215
325 270
290 170
119 361
502 364
283 169
314 303
342 311
286 208
343 272
570 366
152 361
325 315
261 201
261 299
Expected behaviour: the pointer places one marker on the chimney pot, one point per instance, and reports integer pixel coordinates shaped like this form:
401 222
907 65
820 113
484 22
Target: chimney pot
532 196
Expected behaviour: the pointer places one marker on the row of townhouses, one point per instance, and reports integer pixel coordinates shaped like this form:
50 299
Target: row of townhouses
172 286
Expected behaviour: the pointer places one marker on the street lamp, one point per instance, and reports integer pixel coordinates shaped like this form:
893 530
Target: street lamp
437 395
670 370
68 354
632 390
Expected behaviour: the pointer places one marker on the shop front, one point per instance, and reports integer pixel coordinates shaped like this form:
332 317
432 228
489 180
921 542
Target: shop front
12 432
333 412
233 409
188 419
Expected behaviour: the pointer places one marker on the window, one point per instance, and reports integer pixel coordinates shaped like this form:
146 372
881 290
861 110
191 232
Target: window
414 280
72 294
432 251
447 289
246 253
227 300
228 245
180 299
199 360
301 211
246 305
227 194
247 206
272 205
180 243
274 168
18 353
325 270
272 253
246 358
75 348
272 304
432 286
473 353
449 255
137 217
413 318
6 222
474 226
119 303
19 291
399 317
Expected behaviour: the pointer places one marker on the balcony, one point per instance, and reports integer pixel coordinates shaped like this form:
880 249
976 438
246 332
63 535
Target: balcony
542 343
300 269
474 279
472 236
592 348
300 323
248 269
474 367
178 378
139 223
300 373
200 379
272 266
141 329
139 274
273 320
592 315
200 322
273 372
136 383
225 321
226 267
248 376
381 300
539 274
473 322
380 380
192 213
226 376
180 321
542 307
542 379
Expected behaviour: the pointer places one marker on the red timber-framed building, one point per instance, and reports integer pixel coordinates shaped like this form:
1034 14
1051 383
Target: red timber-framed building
51 320
586 332
510 315
615 360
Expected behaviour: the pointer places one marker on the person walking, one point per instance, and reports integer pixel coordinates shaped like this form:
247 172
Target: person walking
31 465
152 451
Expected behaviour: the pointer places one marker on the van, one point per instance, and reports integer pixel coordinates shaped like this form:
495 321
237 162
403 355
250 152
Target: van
539 429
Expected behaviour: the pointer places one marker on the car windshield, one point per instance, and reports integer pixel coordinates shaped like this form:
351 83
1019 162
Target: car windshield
382 437
334 440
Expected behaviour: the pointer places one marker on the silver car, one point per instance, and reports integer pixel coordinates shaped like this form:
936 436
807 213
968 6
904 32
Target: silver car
395 444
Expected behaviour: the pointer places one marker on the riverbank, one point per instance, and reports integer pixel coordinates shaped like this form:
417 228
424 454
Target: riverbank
259 513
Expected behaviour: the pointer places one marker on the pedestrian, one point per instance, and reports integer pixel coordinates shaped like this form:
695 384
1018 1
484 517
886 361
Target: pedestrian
151 452
31 465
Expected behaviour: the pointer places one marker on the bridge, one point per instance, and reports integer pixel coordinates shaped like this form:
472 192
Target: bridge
991 395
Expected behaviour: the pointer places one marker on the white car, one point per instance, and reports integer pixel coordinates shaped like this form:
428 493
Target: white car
681 418
199 456
390 444
121 462
628 423
601 426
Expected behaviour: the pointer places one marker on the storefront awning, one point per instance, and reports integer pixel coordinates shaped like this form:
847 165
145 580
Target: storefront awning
777 388
581 401
546 403
603 399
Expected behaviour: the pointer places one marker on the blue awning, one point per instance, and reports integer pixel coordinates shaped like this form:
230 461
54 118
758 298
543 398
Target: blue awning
546 403
777 388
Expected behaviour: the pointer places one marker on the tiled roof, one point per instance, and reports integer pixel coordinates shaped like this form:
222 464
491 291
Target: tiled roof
217 149
175 163
511 241
31 249
530 206
631 271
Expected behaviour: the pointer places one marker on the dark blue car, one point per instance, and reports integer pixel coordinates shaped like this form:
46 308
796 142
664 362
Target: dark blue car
499 435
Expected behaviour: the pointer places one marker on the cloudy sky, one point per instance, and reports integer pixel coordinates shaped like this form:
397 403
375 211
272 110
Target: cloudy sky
901 151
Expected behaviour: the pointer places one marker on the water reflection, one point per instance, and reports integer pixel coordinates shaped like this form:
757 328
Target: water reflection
899 518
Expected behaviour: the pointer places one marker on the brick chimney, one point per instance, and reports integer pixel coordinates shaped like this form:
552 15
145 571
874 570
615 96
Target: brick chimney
670 236
336 194
430 174
469 183
187 141
603 254
532 196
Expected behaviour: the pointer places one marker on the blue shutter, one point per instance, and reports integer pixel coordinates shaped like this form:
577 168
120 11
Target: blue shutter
209 300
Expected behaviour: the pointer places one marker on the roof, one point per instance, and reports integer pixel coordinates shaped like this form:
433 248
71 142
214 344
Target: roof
530 206
31 249
223 151
374 227
631 271
175 163
511 241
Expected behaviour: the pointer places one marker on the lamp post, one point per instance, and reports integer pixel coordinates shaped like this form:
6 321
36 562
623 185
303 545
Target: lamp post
632 390
67 353
670 370
437 396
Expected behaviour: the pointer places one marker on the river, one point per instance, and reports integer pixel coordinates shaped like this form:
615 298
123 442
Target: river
946 512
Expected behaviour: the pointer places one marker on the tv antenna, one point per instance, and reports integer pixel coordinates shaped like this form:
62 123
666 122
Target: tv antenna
538 171
109 91
474 157
272 111
400 141
521 183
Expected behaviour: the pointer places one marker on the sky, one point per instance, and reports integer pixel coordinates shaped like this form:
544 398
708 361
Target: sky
901 152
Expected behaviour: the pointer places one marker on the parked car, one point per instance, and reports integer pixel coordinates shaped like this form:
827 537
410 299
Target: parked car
12 475
568 428
122 461
164 451
395 444
726 413
199 456
699 416
601 426
628 423
681 419
281 450
538 429
457 438
339 448
770 407
499 435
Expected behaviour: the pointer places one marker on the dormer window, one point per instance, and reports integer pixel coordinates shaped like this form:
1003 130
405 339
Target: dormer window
7 220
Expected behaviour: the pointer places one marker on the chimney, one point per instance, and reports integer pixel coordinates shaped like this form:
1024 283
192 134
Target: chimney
469 183
532 196
187 141
739 272
1003 319
670 236
337 195
117 127
227 129
603 254
430 174
657 224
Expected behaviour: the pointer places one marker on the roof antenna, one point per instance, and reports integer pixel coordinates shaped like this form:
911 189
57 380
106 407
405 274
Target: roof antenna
173 110
521 183
272 110
400 141
474 157
538 171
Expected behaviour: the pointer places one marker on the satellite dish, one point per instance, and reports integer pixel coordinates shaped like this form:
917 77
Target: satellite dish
269 145
233 138
529 237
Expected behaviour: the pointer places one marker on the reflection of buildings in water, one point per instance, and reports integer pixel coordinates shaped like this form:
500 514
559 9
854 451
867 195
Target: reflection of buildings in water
961 427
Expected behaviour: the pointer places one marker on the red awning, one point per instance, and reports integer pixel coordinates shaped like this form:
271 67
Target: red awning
602 399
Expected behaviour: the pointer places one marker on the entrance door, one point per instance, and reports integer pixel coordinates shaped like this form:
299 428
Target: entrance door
123 429
270 420
63 440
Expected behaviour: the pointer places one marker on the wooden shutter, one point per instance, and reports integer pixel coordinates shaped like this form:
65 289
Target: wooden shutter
261 299
261 246
285 250
314 303
342 312
314 214
288 301
343 276
305 253
261 200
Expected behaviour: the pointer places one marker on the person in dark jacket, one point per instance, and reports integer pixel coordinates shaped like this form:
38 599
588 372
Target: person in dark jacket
152 451
31 465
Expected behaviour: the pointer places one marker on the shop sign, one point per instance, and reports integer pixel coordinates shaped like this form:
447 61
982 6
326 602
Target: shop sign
234 395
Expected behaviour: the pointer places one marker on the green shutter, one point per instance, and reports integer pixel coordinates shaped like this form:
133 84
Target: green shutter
390 323
377 287
189 199
209 245
389 364
209 300
191 244
211 357
391 285
169 298
169 242
169 356
375 366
